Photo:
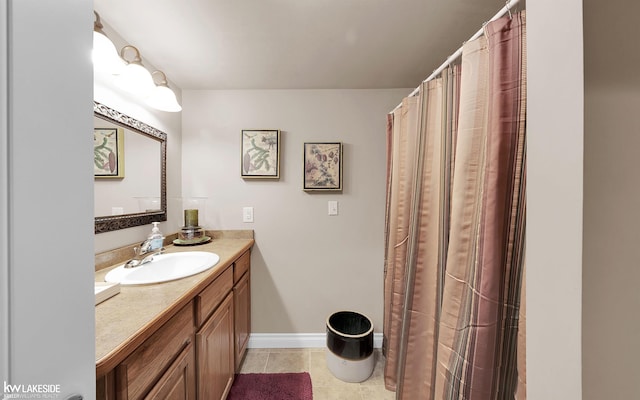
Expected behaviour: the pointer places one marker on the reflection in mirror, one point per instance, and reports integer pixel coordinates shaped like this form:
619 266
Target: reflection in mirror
135 194
137 186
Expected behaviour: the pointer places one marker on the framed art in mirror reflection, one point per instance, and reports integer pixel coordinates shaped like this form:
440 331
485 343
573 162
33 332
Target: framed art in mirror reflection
108 153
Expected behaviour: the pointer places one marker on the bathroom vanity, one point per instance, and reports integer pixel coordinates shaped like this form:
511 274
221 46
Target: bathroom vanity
182 339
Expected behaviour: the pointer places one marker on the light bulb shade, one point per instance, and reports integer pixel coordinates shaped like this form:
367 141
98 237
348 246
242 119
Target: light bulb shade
163 98
136 79
105 56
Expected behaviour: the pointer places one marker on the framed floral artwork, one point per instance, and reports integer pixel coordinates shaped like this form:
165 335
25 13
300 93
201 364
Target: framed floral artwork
108 153
260 154
323 167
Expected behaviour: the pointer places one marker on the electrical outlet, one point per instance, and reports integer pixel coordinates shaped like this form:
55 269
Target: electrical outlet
333 208
247 214
117 210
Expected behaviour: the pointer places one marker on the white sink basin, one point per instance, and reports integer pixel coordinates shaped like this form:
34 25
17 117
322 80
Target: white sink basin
164 267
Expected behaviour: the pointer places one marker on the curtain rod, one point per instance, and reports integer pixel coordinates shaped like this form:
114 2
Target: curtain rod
504 10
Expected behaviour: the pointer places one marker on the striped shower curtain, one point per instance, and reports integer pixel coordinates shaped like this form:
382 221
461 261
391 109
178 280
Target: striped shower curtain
454 267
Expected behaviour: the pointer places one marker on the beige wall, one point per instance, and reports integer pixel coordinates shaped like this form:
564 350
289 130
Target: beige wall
611 276
306 264
611 219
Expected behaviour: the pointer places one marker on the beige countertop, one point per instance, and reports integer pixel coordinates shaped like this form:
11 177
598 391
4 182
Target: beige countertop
124 321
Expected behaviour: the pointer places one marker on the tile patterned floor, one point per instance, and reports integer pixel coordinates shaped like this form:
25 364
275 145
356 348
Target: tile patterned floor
325 385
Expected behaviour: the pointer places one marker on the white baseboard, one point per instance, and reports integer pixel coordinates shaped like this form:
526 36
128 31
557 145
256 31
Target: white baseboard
296 340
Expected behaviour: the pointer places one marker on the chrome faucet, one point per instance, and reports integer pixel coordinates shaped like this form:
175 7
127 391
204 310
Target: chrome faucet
143 254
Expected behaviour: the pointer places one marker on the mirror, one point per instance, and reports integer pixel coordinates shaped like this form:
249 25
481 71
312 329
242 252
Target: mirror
135 194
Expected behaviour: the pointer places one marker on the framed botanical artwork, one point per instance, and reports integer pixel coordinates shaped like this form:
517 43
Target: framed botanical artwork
108 153
260 157
323 167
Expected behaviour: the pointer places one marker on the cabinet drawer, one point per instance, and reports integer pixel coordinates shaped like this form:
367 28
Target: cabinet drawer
241 266
212 296
138 373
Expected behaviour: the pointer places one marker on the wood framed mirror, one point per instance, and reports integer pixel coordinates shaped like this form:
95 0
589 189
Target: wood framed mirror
133 190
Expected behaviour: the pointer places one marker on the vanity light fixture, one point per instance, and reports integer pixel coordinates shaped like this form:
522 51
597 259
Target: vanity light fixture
129 73
135 78
162 97
105 56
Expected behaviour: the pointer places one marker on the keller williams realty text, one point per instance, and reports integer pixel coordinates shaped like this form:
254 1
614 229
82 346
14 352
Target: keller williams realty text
40 388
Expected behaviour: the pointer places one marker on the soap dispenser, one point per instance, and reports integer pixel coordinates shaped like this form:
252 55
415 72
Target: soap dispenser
155 237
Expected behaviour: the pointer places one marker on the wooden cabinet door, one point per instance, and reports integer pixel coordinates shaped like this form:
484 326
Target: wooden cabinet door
179 382
215 353
242 308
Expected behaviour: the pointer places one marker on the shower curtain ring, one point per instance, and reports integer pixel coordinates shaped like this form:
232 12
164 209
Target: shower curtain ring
508 8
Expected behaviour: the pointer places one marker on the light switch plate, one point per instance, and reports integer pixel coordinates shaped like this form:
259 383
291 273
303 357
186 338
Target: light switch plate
247 214
333 208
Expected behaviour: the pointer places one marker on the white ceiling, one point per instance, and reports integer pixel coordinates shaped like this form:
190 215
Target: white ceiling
296 44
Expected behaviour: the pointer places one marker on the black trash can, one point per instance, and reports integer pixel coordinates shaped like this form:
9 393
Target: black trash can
350 346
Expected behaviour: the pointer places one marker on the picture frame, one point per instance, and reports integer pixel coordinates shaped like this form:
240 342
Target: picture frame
260 154
108 153
323 166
